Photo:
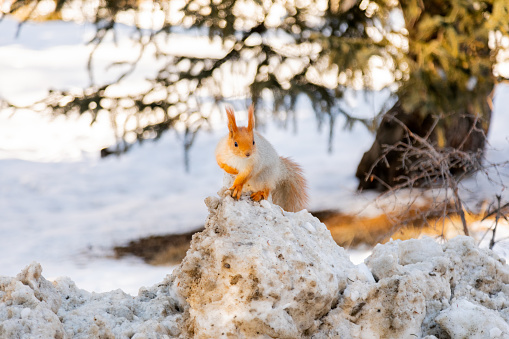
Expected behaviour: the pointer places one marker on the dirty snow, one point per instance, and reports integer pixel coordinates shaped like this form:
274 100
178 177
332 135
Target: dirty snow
257 271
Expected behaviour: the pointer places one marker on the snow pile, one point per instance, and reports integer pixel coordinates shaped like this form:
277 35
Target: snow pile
257 271
426 289
33 307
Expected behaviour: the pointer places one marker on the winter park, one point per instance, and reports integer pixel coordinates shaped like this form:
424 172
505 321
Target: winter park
254 169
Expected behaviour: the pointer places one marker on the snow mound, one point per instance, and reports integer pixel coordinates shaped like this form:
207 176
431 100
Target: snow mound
33 307
257 269
258 272
422 288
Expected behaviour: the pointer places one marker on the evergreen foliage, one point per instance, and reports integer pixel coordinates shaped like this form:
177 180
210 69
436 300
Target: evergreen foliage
442 59
450 55
444 99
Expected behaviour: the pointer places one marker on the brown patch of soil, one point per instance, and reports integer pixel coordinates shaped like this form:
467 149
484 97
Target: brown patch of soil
347 230
351 231
158 249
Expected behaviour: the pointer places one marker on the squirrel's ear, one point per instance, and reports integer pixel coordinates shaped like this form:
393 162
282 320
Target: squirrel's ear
232 124
251 119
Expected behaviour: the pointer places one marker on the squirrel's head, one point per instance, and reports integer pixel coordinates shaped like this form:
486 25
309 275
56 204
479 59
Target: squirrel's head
241 139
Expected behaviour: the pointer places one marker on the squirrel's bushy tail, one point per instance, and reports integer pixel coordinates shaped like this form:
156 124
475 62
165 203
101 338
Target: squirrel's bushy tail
291 192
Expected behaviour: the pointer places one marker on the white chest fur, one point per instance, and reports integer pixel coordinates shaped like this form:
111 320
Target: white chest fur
264 165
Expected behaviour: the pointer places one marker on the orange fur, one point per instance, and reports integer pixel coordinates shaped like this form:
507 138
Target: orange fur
226 168
239 182
240 138
257 196
260 166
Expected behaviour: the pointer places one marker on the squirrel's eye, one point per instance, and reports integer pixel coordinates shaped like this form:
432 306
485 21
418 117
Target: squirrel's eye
253 142
236 145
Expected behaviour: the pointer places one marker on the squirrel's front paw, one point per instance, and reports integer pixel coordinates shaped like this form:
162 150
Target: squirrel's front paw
236 191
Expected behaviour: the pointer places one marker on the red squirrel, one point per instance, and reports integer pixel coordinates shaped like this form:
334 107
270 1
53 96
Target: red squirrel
258 168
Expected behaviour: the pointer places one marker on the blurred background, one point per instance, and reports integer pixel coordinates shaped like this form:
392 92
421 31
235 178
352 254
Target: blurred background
110 112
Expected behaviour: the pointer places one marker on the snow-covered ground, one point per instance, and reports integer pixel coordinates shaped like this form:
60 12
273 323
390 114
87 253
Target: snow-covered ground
64 207
256 271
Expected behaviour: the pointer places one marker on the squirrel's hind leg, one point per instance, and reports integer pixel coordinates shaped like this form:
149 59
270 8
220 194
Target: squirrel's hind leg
257 196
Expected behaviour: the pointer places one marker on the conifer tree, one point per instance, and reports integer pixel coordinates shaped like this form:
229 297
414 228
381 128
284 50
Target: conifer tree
444 96
442 60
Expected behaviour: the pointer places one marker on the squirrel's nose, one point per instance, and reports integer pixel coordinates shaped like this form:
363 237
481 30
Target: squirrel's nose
248 154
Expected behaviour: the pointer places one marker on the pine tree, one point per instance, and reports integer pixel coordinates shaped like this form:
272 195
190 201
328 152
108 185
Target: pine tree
279 49
442 61
445 95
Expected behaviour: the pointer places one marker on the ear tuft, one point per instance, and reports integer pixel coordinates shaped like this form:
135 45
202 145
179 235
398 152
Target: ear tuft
232 124
251 119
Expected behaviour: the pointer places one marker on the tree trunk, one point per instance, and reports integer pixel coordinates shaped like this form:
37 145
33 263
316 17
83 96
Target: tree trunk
382 168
